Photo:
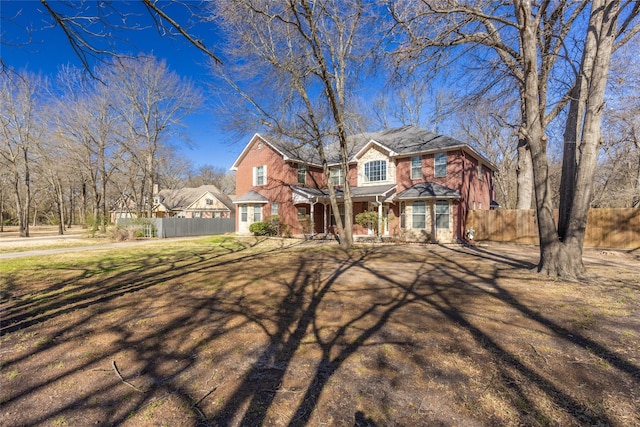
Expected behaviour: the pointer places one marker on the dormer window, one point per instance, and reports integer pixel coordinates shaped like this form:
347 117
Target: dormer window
375 170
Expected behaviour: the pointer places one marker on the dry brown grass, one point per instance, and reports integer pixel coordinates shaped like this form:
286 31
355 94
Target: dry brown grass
218 333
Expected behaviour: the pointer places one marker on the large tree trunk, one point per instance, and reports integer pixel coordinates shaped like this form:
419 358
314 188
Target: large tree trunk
524 176
583 127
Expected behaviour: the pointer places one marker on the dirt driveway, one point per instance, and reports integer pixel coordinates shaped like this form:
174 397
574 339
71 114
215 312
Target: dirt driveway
211 332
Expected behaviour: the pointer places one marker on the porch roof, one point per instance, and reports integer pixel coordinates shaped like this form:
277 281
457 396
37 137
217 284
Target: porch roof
251 196
427 190
383 191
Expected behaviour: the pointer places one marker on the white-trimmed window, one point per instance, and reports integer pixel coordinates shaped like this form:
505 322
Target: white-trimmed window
257 213
418 214
244 211
260 175
440 164
480 171
442 214
274 208
375 170
209 202
302 213
302 174
335 176
416 167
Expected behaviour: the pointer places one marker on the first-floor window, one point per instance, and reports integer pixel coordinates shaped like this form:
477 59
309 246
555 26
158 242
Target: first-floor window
442 214
274 208
418 214
243 213
257 213
341 213
302 213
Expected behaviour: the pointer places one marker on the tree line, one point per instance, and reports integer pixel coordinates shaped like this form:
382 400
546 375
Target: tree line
74 146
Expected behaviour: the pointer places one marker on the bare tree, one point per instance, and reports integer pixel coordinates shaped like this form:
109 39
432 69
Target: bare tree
218 176
530 42
86 127
491 127
151 101
20 126
308 54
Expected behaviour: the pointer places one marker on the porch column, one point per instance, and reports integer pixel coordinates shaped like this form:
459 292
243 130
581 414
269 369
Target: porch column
326 218
380 218
313 225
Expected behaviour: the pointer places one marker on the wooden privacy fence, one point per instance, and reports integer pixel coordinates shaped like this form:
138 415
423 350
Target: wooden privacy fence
606 228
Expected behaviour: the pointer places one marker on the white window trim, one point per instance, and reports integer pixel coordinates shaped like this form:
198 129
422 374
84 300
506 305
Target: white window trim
255 175
413 215
441 202
381 162
435 164
419 169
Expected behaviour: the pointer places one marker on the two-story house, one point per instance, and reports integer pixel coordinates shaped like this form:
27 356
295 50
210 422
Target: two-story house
420 183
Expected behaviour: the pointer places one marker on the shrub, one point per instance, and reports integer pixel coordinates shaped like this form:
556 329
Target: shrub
263 229
368 220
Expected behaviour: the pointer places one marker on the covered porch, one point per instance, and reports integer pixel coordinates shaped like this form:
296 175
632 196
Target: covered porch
365 199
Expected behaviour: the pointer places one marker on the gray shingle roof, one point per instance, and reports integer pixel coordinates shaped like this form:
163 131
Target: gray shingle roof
251 196
407 140
403 141
427 190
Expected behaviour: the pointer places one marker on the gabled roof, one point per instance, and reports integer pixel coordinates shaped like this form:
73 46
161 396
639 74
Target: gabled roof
183 198
411 140
402 141
428 190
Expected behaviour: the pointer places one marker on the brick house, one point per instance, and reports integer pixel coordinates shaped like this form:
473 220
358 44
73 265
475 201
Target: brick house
420 183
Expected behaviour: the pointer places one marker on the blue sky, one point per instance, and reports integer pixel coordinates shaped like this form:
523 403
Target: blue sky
45 49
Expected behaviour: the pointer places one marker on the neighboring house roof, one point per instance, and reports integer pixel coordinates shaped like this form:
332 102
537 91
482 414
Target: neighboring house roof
427 190
184 198
399 142
251 196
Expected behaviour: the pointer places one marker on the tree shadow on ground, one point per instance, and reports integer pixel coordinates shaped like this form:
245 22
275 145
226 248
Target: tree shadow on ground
249 321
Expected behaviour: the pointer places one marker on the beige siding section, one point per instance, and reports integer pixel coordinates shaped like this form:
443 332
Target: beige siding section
374 153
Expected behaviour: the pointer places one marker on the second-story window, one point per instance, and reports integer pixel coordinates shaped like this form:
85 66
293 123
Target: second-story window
375 170
302 174
335 176
480 171
440 164
416 167
260 175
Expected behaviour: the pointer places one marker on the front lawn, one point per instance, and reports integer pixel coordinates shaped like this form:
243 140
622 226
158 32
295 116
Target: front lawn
221 331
